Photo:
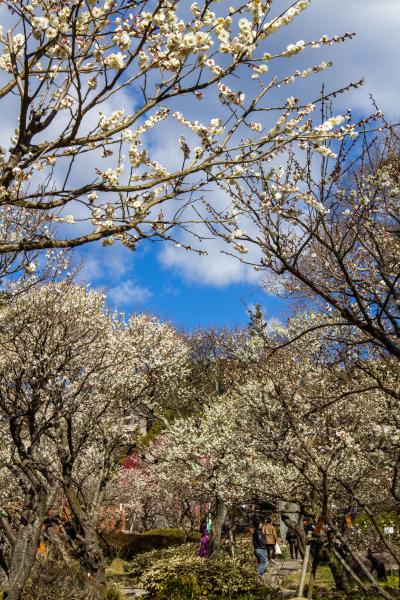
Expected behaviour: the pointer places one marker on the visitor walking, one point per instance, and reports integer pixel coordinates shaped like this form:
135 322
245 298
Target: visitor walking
204 541
271 537
260 549
309 528
291 540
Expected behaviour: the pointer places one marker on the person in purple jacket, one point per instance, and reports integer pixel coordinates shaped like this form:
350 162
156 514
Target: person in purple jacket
204 541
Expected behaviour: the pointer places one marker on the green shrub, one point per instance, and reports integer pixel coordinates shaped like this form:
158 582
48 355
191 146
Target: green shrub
180 574
285 554
353 596
392 581
179 588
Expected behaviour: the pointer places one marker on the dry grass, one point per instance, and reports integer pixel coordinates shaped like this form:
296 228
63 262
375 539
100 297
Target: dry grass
323 581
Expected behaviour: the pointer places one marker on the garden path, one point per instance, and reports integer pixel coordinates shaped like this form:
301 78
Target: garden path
280 571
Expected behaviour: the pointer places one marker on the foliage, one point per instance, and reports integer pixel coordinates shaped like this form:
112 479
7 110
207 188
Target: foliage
364 534
295 422
181 569
323 580
72 377
348 596
392 581
285 552
228 465
54 580
180 587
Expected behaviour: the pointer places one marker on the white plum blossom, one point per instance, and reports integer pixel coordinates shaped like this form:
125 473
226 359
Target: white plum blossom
115 60
30 268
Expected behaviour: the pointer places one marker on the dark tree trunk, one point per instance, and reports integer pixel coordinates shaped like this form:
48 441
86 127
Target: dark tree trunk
217 527
90 553
339 573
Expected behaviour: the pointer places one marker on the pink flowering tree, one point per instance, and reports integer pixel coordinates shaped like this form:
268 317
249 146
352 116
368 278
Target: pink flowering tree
148 502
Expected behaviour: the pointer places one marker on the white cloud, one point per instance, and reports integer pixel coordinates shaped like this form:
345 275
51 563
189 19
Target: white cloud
372 54
90 269
111 263
215 269
128 293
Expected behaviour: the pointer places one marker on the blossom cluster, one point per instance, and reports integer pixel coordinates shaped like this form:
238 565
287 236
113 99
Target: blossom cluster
83 60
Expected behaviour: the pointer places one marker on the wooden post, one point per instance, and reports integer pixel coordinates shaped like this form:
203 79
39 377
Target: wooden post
313 571
304 570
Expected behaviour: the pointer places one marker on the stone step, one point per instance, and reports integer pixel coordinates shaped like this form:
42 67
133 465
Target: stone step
286 593
135 592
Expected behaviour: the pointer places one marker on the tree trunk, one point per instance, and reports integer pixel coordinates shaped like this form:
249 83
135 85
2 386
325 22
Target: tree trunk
313 570
374 583
25 547
91 557
217 527
339 573
352 574
231 542
231 533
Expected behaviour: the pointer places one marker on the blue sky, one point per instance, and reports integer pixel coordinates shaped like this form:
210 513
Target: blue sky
136 282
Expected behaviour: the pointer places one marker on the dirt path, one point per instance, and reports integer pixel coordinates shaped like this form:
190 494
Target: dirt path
134 592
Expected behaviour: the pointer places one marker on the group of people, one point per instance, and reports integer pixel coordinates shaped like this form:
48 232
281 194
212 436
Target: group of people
265 543
265 538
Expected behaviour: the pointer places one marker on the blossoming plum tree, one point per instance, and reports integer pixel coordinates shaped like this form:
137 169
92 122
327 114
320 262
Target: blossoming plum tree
330 422
328 228
216 458
71 375
77 157
150 501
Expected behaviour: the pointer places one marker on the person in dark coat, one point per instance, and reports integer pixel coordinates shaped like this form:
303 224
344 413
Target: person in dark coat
291 540
260 549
